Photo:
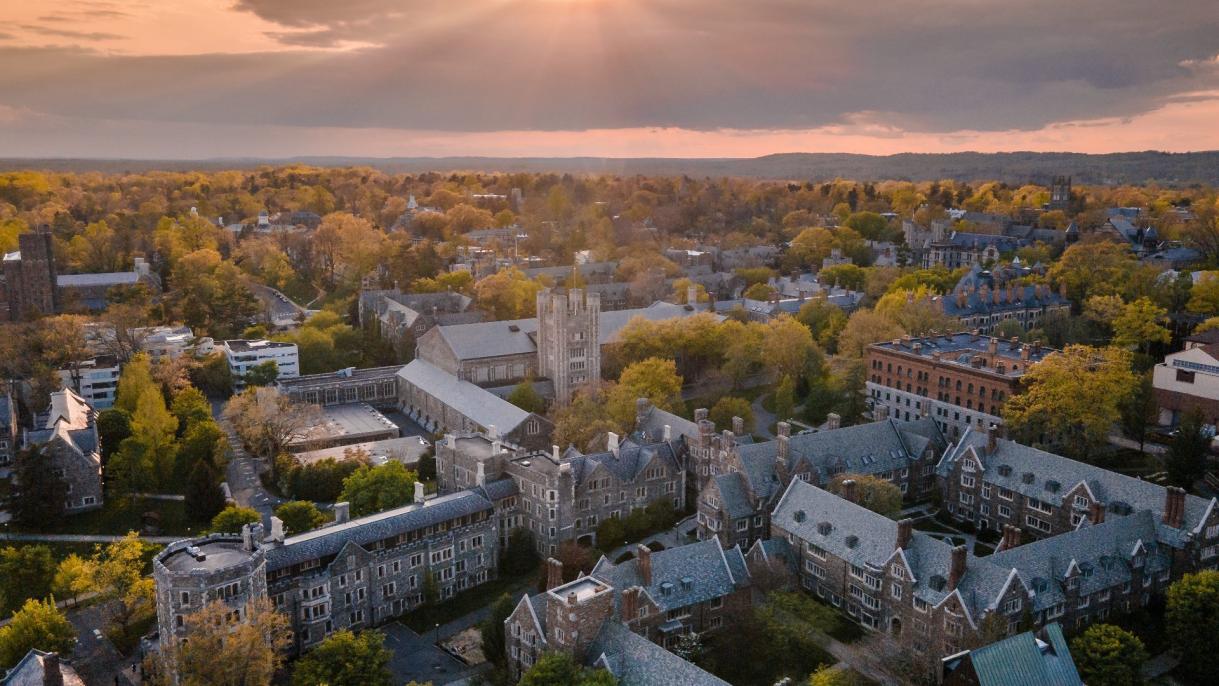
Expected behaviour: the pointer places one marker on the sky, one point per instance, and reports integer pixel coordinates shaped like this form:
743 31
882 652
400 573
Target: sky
189 79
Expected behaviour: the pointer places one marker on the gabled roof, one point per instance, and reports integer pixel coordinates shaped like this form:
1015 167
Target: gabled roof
681 576
626 464
838 526
636 661
1024 659
478 404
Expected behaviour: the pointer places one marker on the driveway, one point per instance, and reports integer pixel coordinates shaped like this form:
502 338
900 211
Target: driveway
416 658
242 473
95 657
279 308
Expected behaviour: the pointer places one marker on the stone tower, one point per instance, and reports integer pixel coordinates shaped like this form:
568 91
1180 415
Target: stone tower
1060 193
29 276
569 352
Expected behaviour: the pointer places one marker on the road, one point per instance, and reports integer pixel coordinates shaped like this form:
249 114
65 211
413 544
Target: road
762 418
242 473
279 308
95 658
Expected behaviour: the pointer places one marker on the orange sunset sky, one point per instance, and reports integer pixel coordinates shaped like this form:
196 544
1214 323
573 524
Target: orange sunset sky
622 78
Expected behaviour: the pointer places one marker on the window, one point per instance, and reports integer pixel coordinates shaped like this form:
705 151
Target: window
896 591
1012 605
1081 502
967 481
1184 376
1005 511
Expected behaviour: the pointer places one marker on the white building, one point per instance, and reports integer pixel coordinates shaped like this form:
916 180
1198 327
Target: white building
95 380
244 355
169 342
1187 381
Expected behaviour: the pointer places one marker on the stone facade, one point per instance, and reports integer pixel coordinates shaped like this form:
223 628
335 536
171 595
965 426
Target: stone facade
70 442
30 277
568 340
565 496
376 386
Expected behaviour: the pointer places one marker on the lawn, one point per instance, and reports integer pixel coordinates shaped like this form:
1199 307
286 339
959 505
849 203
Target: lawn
1130 462
425 619
118 516
930 525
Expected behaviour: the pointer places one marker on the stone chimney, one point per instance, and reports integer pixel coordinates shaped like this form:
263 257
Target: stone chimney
905 531
420 493
668 433
992 439
729 440
992 346
251 536
956 569
554 573
1037 347
342 512
645 564
556 453
630 604
480 473
611 440
784 449
1011 537
52 675
277 530
492 432
848 490
833 421
700 415
1174 507
1025 351
1096 512
738 426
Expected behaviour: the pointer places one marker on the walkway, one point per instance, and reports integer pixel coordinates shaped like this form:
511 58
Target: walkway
851 657
1148 447
762 418
242 473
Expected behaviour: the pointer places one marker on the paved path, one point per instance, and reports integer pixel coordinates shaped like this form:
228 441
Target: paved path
95 657
84 538
451 629
762 418
1148 447
854 658
242 473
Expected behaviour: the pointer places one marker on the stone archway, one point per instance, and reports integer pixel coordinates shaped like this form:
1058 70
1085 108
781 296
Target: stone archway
895 626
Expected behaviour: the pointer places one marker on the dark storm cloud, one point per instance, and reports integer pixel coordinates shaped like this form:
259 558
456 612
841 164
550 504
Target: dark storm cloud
479 65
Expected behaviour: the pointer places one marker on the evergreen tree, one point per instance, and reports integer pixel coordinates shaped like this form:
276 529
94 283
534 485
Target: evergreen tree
113 427
1186 459
39 493
204 499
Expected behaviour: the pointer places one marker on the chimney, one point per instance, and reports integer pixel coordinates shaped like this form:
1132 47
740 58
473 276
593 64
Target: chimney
1014 343
1025 350
848 490
645 564
738 426
248 540
630 604
52 675
957 568
1011 537
571 599
783 429
700 415
1174 506
554 573
342 512
905 531
668 433
480 473
833 421
643 407
992 439
729 440
420 493
973 335
961 299
555 452
1037 347
492 432
692 295
1096 512
992 346
611 440
277 530
784 448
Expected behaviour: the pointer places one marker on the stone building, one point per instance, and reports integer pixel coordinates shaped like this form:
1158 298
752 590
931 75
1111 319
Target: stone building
30 277
402 318
565 496
960 380
68 438
657 596
742 482
376 386
9 439
984 306
569 350
353 574
992 482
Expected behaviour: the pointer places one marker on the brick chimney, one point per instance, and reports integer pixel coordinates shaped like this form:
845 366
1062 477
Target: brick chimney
956 569
992 439
905 531
52 675
1096 512
848 490
554 573
992 346
833 421
700 415
1025 351
1011 537
630 604
1174 507
645 564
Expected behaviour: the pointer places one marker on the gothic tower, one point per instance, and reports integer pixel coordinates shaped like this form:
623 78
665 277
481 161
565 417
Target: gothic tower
1060 193
569 353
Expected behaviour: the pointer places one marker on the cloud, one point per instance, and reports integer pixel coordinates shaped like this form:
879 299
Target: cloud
68 33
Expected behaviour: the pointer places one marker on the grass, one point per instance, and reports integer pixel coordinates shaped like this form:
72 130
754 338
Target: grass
117 516
1130 462
425 619
930 525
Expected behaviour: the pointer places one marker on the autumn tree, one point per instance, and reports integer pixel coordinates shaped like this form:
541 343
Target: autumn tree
218 652
346 659
508 294
728 407
73 577
863 328
917 311
373 489
1098 268
583 420
38 624
266 420
1072 399
119 580
1140 324
232 518
1204 296
1192 624
654 379
299 516
526 397
878 495
1108 655
25 572
787 346
561 669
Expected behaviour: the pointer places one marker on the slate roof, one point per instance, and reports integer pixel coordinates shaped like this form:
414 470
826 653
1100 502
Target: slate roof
1025 298
804 509
104 279
1024 659
32 670
364 531
681 576
982 241
1047 469
478 404
654 423
631 459
734 495
636 661
69 418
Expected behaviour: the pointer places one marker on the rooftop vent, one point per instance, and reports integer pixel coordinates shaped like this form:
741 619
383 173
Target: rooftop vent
194 552
666 588
1027 477
514 328
852 541
687 582
824 528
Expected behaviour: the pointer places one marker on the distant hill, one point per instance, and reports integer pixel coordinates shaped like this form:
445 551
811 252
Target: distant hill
1013 167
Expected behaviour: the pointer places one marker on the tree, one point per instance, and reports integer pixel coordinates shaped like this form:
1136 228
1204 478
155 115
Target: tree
73 577
1186 458
1204 296
849 276
373 489
113 427
611 533
25 573
863 328
508 294
787 346
153 430
1140 324
491 630
38 624
263 374
40 492
266 420
878 495
1140 409
561 669
759 291
689 647
119 580
654 379
825 320
190 406
829 675
526 397
346 659
916 311
1087 269
218 652
299 516
232 518
728 407
1072 399
1192 623
784 401
1108 655
135 378
204 499
520 555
